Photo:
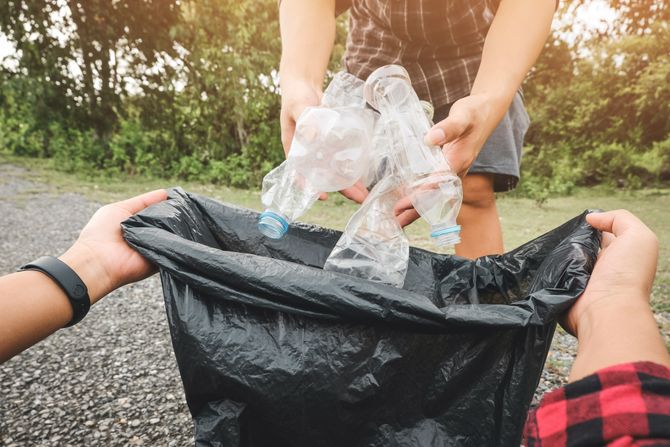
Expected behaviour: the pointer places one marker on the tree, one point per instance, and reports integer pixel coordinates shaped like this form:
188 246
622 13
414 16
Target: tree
82 52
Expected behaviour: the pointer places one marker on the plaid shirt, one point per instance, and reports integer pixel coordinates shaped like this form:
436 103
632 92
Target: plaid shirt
624 405
439 42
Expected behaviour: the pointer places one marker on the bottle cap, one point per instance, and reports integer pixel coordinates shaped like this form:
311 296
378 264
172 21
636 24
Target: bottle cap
272 225
447 236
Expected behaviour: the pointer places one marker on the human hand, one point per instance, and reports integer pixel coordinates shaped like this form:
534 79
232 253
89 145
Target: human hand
404 211
101 257
296 97
624 272
463 133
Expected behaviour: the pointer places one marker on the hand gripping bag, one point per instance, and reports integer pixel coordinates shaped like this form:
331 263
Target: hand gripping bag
274 351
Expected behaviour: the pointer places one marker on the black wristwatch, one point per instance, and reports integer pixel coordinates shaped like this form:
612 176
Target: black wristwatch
68 280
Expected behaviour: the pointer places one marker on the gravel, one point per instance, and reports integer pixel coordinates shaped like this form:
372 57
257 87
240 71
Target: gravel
112 379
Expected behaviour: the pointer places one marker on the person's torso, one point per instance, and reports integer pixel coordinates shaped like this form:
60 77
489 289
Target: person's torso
438 41
436 23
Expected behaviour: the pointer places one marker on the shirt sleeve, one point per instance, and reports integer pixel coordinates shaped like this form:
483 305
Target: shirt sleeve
626 404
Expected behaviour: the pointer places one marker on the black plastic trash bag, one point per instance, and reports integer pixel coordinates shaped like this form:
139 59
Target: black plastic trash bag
273 351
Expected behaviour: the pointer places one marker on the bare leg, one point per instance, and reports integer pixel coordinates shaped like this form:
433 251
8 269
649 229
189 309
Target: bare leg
481 233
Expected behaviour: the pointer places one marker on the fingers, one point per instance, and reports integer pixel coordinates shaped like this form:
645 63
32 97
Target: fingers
616 224
357 193
287 132
407 217
456 157
449 129
402 205
138 203
323 196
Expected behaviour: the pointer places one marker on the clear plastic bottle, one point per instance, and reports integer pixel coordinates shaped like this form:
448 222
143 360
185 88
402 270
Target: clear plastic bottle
373 245
344 90
286 196
331 146
437 198
329 152
435 191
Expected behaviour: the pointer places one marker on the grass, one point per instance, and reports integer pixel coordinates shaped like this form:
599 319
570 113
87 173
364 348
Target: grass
521 218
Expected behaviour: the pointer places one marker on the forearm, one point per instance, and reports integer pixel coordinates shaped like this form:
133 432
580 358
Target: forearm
513 43
33 306
618 334
308 35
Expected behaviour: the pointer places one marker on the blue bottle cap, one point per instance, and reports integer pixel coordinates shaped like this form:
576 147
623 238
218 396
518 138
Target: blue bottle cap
272 225
447 236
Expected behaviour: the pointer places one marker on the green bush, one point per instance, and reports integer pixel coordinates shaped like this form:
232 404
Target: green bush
74 150
621 165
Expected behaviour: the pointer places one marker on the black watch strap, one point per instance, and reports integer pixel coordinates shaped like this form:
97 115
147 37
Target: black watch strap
68 280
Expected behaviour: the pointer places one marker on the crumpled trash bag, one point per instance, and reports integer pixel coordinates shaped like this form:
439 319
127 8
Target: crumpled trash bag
273 351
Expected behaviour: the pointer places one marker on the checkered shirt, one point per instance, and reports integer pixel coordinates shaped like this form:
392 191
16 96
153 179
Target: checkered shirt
624 405
439 42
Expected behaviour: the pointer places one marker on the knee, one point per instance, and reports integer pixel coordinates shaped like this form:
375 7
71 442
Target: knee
478 191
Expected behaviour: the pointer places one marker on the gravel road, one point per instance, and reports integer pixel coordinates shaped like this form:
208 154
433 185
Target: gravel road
112 379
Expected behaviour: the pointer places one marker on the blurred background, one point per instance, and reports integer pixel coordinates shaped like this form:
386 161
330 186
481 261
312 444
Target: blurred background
187 90
104 99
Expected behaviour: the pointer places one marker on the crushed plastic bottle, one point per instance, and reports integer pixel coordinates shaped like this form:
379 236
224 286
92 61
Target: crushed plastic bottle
435 191
344 90
331 146
332 142
373 245
329 152
286 196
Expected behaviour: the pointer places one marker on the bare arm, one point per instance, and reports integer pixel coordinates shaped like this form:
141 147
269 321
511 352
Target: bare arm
621 333
308 35
512 45
33 306
612 319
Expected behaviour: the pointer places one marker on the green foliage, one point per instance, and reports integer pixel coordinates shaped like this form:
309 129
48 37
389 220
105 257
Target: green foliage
188 89
81 53
601 119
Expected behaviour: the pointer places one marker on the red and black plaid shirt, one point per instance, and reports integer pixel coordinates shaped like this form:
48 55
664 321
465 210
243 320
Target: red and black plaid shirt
439 42
624 405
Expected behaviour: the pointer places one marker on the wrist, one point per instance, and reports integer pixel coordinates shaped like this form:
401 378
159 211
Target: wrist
498 99
296 79
608 309
83 261
618 333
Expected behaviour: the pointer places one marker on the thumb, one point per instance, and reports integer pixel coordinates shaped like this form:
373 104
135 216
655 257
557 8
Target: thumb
449 129
616 222
138 203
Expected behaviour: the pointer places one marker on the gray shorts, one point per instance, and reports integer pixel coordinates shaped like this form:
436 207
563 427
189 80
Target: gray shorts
501 154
